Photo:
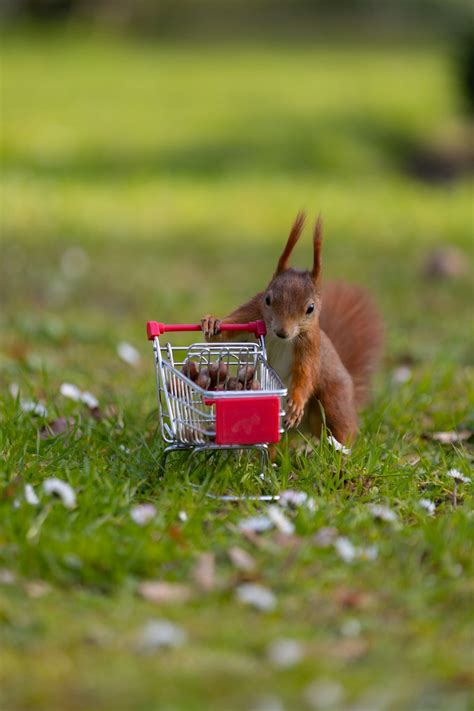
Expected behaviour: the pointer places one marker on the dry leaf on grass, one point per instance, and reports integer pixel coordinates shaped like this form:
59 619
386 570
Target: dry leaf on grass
451 437
161 592
285 653
242 560
413 459
325 537
353 599
445 263
204 572
37 588
57 427
350 649
7 577
324 694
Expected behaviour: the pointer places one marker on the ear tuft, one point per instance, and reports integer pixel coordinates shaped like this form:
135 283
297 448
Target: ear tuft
317 240
293 238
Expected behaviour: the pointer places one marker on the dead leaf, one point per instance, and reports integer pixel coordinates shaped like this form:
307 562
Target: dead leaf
204 572
175 532
57 427
350 648
161 592
96 413
37 588
12 488
413 460
242 560
452 437
445 263
325 536
282 540
18 350
353 599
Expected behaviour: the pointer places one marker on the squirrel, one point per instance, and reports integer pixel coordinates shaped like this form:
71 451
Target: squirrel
324 342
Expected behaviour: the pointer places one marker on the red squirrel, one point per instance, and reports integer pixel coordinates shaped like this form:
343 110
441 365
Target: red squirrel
324 343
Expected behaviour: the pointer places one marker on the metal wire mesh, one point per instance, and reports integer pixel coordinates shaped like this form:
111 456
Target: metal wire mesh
186 411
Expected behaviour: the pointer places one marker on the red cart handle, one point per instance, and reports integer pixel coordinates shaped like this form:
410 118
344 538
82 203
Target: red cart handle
155 329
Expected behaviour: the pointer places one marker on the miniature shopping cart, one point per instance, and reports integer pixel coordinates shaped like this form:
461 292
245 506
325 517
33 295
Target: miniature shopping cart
199 415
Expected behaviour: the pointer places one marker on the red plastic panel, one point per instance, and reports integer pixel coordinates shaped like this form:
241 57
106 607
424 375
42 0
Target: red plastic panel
250 420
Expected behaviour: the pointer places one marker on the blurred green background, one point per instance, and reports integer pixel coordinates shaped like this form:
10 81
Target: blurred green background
153 158
172 163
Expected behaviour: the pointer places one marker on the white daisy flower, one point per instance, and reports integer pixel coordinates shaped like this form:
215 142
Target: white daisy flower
348 552
279 519
458 476
90 400
295 499
338 446
60 488
401 375
384 513
345 549
128 353
35 407
71 391
428 505
257 596
30 495
74 393
142 514
160 634
257 524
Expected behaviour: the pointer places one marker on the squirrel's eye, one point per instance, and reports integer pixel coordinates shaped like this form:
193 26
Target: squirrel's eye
268 300
310 309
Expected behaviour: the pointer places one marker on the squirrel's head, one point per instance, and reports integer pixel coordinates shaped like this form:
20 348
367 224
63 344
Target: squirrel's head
292 300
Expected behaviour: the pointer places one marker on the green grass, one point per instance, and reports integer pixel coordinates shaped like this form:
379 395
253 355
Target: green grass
177 171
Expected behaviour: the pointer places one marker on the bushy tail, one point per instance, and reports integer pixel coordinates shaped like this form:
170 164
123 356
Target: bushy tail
351 320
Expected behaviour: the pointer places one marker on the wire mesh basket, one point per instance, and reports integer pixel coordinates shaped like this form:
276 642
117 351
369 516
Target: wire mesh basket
217 395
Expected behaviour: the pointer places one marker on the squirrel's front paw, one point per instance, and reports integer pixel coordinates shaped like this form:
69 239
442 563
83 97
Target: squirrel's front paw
294 413
210 326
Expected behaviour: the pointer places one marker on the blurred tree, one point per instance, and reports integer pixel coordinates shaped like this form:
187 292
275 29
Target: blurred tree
465 70
259 17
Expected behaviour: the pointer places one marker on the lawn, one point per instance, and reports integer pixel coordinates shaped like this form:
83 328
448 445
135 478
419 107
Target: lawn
156 181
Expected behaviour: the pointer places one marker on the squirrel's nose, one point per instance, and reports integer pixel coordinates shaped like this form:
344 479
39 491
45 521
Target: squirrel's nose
281 334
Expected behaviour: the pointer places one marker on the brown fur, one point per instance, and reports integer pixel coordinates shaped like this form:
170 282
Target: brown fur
336 339
295 234
350 319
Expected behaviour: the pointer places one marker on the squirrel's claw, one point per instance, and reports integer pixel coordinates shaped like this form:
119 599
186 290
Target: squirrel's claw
210 326
294 413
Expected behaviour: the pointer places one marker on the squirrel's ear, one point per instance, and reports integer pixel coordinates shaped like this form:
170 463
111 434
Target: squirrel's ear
292 240
317 239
